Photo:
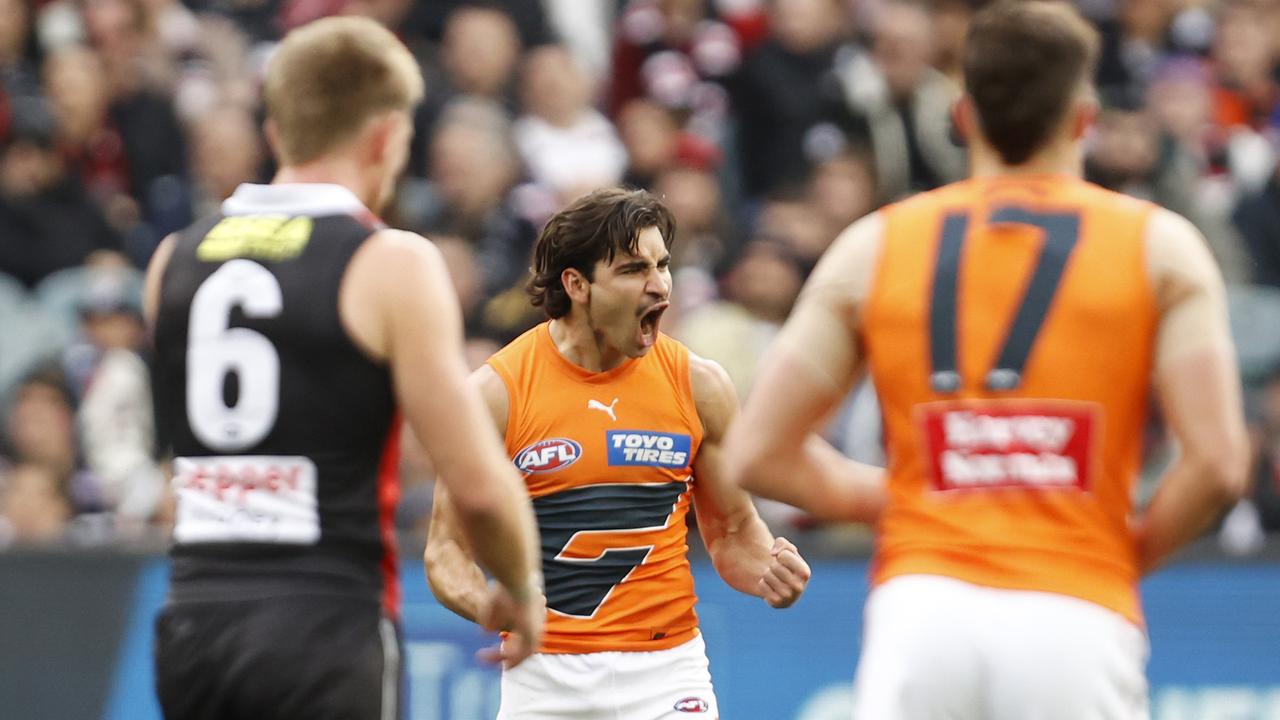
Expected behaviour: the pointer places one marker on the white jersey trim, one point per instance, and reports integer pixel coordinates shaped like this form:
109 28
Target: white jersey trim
390 670
309 199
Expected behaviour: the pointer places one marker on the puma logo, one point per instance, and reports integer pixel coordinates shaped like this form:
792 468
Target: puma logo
597 405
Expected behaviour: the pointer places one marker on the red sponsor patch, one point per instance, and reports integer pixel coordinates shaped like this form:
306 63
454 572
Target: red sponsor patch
692 705
979 444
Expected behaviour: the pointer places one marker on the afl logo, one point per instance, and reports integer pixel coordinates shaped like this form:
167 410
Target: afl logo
692 705
548 455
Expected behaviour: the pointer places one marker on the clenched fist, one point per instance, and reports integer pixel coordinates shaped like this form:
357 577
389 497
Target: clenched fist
787 576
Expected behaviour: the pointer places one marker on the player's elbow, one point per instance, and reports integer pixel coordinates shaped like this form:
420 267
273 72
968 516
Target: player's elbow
1223 468
748 464
480 500
434 563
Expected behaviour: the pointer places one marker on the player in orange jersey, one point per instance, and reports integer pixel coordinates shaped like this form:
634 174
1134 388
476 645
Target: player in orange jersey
1012 324
615 426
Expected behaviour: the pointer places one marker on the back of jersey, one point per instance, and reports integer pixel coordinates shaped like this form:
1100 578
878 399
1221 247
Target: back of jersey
1010 333
283 431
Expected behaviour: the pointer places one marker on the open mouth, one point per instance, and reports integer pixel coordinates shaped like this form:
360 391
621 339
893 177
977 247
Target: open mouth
649 322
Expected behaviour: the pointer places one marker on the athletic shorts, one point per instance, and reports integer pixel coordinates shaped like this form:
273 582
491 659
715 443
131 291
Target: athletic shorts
284 658
936 648
672 684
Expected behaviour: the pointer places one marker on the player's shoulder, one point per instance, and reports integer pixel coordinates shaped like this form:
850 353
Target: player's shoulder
1091 195
708 376
1177 257
524 345
515 366
714 395
951 194
403 245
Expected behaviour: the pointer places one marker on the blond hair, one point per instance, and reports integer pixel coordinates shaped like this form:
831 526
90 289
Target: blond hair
329 77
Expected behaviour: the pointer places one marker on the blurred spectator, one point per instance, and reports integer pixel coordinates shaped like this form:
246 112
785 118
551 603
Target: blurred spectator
128 150
566 144
950 24
1180 101
1132 45
226 151
480 51
781 92
652 138
115 417
40 432
894 100
586 29
676 54
1266 429
34 508
704 231
759 290
478 58
17 52
474 170
464 271
258 19
1257 216
1129 154
1245 53
220 70
431 19
843 188
46 220
791 217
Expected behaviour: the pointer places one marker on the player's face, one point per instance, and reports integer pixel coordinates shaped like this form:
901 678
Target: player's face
629 295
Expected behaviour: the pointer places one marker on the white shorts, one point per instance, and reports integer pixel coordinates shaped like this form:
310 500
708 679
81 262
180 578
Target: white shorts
935 648
672 684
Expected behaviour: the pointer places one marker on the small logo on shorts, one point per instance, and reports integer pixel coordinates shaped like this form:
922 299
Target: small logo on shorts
692 705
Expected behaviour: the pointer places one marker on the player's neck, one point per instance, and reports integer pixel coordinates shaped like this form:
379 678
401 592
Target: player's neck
336 170
1062 157
578 343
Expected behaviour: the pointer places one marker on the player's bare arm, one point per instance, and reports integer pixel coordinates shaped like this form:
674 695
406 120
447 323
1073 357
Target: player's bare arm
744 552
1199 390
155 275
397 302
452 573
773 449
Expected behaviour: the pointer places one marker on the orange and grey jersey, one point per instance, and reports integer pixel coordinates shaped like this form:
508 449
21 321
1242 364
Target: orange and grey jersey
607 458
1010 332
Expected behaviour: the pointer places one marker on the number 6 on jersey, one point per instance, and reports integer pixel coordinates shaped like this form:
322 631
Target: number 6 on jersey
215 351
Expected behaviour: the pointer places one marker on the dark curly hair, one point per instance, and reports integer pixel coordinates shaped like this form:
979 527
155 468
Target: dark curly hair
596 227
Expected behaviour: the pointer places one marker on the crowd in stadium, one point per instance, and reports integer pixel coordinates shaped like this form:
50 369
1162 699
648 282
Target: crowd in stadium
766 125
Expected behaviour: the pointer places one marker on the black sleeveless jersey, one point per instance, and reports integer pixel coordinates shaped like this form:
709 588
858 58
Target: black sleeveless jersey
284 434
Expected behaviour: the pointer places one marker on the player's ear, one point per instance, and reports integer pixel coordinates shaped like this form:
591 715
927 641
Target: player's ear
576 285
272 131
1085 114
382 136
962 121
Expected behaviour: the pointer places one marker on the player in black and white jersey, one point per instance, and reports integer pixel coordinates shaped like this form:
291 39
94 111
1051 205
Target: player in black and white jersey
291 330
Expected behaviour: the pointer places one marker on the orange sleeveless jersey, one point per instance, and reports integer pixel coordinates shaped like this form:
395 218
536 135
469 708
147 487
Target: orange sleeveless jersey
607 459
1019 478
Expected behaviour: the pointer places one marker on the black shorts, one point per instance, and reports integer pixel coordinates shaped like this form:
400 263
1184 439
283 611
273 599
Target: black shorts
312 657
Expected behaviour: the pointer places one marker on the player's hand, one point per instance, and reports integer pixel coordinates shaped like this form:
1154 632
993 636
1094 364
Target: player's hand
787 577
523 621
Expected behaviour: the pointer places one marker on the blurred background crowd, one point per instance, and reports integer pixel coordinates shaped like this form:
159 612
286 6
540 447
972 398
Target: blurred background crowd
766 125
